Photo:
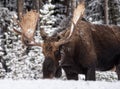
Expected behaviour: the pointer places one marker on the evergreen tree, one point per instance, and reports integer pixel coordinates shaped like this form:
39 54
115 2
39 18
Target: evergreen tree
95 11
54 16
106 12
114 12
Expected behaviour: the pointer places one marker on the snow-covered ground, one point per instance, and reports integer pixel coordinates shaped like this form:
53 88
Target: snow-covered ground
57 84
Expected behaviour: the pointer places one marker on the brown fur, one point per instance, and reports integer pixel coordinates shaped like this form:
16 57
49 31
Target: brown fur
90 47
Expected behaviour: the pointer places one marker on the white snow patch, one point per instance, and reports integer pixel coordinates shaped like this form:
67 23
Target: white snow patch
57 84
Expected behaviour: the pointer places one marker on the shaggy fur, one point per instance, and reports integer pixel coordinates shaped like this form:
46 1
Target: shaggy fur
91 47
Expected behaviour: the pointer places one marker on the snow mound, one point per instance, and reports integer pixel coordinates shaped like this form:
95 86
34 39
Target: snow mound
57 84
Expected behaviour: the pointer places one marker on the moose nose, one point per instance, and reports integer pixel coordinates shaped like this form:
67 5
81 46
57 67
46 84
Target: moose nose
48 68
48 62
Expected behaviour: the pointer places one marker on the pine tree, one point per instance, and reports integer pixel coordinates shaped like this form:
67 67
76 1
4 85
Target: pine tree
20 8
52 15
114 12
95 11
106 16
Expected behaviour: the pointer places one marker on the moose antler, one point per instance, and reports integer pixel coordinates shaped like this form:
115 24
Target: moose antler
77 14
28 25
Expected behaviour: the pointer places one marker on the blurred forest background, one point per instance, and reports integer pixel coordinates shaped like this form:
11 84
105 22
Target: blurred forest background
17 62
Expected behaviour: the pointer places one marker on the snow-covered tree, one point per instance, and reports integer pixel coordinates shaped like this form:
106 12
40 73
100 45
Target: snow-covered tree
95 11
53 16
114 12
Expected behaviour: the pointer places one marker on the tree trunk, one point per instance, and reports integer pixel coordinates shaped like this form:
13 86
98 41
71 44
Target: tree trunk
4 3
40 3
36 5
20 8
106 12
73 5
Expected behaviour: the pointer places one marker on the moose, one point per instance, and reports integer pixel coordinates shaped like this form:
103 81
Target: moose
82 48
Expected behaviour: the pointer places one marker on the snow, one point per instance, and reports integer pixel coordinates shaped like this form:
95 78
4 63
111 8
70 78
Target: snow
57 84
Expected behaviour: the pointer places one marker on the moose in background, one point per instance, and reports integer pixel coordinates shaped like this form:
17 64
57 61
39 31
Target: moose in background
81 48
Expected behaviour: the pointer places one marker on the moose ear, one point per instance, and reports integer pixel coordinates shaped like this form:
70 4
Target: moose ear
78 12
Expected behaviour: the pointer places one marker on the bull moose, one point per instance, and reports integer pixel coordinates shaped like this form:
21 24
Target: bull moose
81 49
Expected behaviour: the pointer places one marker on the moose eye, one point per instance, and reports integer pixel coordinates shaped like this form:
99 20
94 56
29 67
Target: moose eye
49 48
57 53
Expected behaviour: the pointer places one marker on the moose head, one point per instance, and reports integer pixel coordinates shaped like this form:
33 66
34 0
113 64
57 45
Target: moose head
51 46
51 49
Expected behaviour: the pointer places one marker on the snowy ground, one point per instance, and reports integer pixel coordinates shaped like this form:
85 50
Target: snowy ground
57 84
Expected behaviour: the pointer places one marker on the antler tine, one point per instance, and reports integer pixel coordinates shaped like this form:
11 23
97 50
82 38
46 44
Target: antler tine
77 14
28 25
14 29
